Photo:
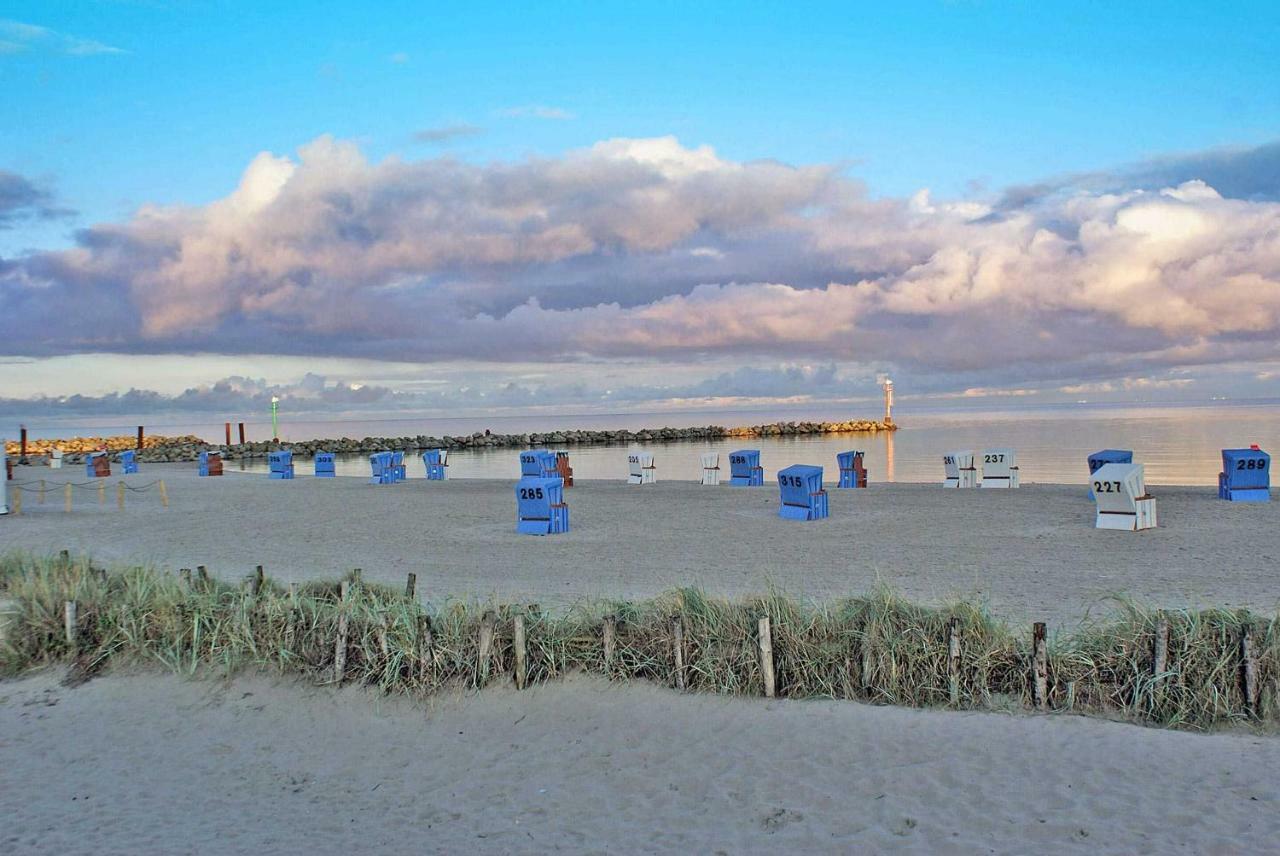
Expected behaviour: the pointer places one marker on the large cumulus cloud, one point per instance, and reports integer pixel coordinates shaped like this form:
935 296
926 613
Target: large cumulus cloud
647 248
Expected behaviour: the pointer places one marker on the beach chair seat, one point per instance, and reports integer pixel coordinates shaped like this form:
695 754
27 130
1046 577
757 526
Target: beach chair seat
1000 469
97 465
128 462
398 471
852 472
745 469
1107 456
1245 476
641 469
959 469
540 506
280 464
435 461
55 459
210 463
325 464
710 468
801 493
563 469
1120 491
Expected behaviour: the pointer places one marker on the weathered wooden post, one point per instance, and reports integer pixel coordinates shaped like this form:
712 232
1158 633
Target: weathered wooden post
766 656
1250 665
66 498
228 443
426 658
340 644
69 623
1040 665
518 642
410 586
255 587
610 642
139 438
953 661
164 493
102 493
677 643
120 495
241 433
184 574
486 648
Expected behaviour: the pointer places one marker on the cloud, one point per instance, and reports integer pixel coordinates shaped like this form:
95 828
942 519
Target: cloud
20 37
646 249
537 111
21 198
447 133
398 58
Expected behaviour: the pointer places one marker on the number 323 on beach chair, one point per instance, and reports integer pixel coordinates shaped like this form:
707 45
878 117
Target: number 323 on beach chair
540 506
802 495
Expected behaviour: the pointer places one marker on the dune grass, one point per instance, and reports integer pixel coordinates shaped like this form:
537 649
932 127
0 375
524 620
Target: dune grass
877 648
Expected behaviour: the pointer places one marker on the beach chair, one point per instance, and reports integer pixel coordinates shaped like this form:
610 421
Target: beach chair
1000 469
540 506
97 465
960 471
1120 491
210 463
1245 476
641 468
711 468
538 462
382 467
280 464
55 459
563 469
802 496
1107 456
745 469
128 462
325 465
435 463
852 473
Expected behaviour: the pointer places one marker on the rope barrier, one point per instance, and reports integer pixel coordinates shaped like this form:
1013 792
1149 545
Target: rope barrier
94 485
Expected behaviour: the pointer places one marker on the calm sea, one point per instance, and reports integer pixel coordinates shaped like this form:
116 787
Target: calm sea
1179 444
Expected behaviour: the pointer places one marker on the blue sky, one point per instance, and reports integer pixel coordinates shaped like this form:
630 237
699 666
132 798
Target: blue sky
114 106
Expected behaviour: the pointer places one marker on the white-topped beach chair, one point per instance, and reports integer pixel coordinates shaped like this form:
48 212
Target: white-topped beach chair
1120 491
641 469
960 471
1000 468
711 468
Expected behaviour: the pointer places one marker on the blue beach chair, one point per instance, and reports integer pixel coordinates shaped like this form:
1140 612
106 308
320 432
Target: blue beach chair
540 507
801 493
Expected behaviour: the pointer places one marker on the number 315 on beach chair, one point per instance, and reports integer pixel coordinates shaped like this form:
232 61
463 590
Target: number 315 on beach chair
802 496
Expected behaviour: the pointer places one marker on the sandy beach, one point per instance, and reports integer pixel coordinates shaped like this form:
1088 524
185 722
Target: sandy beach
159 764
1030 554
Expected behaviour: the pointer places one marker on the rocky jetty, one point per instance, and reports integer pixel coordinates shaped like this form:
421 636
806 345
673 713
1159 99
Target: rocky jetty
168 449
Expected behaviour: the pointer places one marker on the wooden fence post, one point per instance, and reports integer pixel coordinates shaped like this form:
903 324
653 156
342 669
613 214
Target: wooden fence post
66 498
411 586
677 643
202 577
120 495
184 574
17 502
518 642
259 578
426 658
610 642
766 656
953 661
1250 664
1040 666
69 623
340 644
164 494
102 493
486 648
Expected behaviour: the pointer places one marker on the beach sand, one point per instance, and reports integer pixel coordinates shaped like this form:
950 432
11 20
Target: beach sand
157 764
1030 554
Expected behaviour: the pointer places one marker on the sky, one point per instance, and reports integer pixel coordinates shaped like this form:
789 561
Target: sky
609 206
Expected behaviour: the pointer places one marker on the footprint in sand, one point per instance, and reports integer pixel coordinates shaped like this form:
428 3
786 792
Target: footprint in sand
779 818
